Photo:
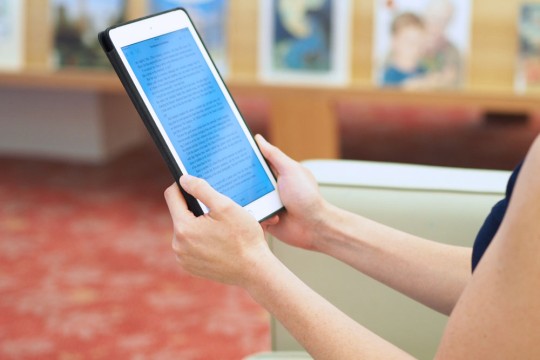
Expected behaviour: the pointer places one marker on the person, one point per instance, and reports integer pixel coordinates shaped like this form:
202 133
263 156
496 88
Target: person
407 44
442 60
494 312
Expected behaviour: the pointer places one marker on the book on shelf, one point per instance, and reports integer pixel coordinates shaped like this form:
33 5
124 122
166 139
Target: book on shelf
76 24
11 35
421 44
528 62
304 42
210 19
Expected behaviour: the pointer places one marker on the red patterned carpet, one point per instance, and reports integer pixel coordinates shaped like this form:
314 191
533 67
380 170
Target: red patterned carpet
86 270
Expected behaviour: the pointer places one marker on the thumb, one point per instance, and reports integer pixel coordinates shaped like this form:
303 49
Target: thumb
275 156
201 190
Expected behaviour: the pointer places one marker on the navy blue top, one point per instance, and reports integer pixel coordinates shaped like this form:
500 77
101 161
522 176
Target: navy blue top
493 221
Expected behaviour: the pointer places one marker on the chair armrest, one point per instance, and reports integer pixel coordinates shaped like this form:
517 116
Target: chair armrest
405 176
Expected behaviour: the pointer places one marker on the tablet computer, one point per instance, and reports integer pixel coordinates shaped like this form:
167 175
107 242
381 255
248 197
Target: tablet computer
187 109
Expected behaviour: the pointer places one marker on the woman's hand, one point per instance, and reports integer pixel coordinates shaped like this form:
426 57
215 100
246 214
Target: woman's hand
298 190
223 245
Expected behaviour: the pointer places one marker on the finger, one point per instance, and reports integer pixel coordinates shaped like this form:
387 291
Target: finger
267 224
176 203
202 191
263 144
270 222
275 156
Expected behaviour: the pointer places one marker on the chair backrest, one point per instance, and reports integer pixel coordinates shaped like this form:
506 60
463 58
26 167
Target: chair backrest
442 204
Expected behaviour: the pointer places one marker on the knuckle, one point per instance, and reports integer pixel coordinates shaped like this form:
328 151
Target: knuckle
179 251
180 232
198 183
169 190
175 244
226 206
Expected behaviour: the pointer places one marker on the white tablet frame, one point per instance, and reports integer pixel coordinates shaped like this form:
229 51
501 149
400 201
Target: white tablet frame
165 23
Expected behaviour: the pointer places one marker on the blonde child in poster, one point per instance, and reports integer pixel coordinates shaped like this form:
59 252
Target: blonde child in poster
404 61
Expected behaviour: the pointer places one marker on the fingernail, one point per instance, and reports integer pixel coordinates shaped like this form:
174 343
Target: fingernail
186 179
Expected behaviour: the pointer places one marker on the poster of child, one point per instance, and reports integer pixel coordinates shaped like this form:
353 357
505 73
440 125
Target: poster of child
304 41
421 44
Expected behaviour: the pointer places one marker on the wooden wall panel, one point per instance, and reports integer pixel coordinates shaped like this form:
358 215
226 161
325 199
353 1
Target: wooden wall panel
38 34
493 46
362 42
243 32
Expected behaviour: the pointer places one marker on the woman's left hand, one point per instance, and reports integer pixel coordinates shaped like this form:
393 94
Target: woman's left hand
223 245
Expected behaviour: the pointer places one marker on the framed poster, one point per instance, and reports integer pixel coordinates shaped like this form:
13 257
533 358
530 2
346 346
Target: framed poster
76 24
11 34
304 41
421 44
528 65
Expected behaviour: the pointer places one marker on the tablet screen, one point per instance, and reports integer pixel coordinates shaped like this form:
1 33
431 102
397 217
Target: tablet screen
198 119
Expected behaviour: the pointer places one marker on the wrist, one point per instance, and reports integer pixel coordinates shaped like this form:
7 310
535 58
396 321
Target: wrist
259 265
322 224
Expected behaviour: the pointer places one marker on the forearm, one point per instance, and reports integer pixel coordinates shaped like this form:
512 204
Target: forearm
322 329
432 273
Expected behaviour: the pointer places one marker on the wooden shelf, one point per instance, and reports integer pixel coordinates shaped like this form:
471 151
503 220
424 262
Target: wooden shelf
302 119
71 80
487 98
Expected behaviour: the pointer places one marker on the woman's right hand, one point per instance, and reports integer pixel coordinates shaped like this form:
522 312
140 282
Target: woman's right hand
300 195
